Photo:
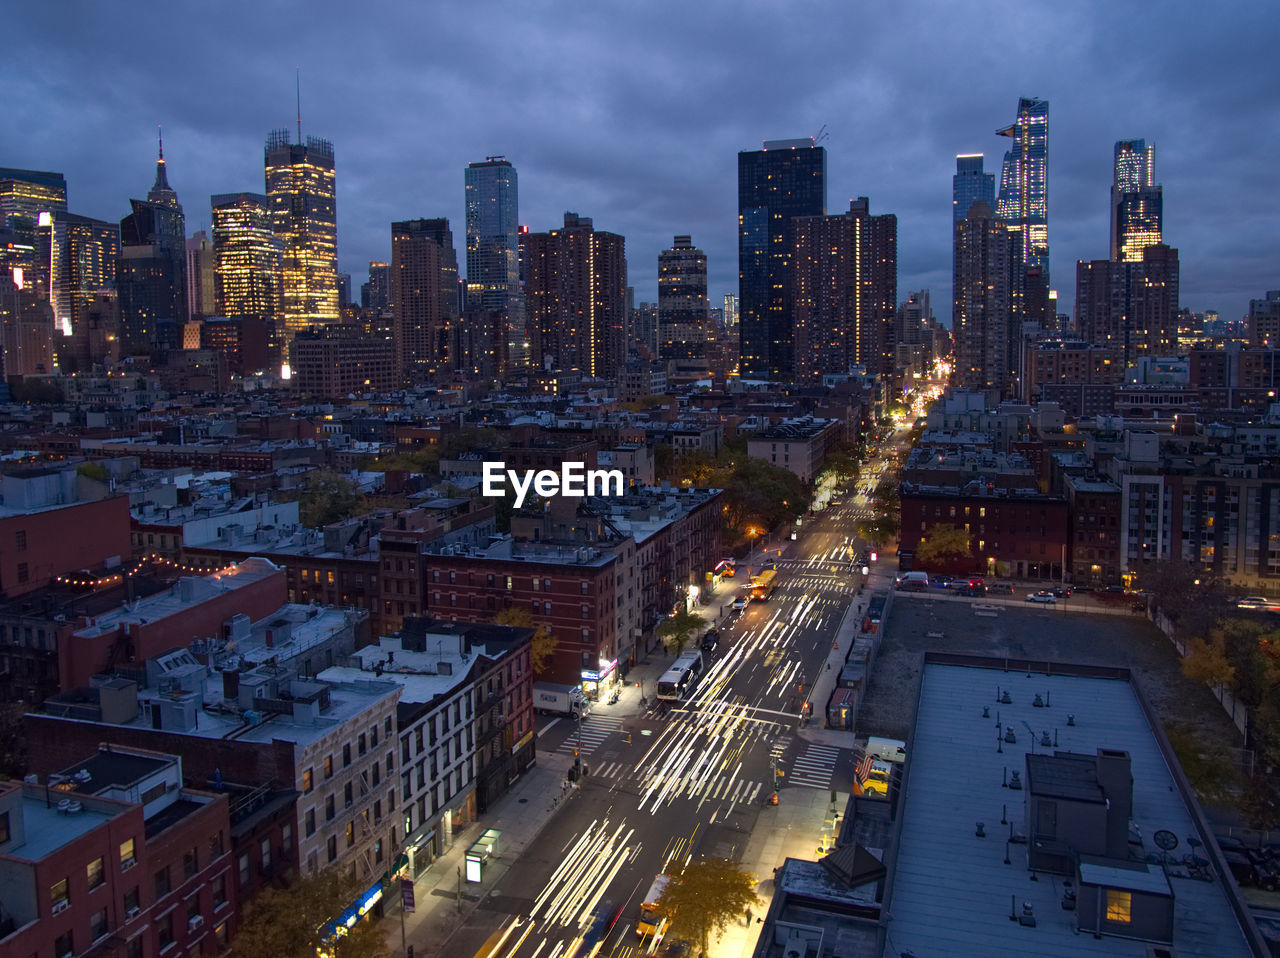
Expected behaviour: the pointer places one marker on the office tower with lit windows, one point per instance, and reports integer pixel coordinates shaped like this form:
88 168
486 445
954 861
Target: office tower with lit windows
844 290
1137 203
575 282
424 295
984 318
1024 182
785 179
682 301
493 245
83 254
303 202
152 273
376 293
248 257
970 184
731 312
25 194
201 282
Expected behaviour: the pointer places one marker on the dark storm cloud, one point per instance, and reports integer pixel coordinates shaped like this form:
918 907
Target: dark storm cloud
633 114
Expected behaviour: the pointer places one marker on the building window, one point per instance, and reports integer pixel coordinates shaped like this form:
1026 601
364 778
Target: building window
190 863
346 754
333 847
219 891
286 837
243 863
164 933
94 874
328 766
328 808
64 946
59 896
23 573
265 847
20 540
132 902
311 822
162 882
307 783
97 924
1119 906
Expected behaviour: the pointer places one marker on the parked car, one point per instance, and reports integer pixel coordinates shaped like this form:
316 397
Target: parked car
1115 589
711 640
1062 592
940 581
1046 598
1241 868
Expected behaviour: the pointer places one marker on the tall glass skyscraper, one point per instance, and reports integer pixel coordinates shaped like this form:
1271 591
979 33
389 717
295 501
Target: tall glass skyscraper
682 301
969 185
1137 203
1024 182
303 199
493 244
788 178
247 256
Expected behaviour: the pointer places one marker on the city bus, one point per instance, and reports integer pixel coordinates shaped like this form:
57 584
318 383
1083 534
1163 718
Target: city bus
678 682
649 922
762 586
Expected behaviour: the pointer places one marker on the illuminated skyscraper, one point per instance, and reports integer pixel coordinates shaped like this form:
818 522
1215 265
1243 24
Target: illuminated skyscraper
969 185
575 282
247 256
984 316
1024 183
83 253
844 290
424 294
28 193
1137 203
785 179
493 245
152 273
682 301
302 198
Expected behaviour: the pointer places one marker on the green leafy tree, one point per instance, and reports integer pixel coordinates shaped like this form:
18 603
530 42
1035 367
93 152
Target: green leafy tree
1206 661
943 542
879 530
1193 601
329 497
704 897
679 628
295 922
544 643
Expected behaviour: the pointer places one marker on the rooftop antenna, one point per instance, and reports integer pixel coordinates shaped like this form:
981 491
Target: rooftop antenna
297 83
160 140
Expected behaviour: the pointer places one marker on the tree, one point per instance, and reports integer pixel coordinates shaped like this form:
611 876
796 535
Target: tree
544 643
879 530
296 922
13 741
329 497
679 628
704 897
943 542
1206 661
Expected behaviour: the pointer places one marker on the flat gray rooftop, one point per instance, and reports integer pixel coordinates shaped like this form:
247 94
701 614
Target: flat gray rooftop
951 890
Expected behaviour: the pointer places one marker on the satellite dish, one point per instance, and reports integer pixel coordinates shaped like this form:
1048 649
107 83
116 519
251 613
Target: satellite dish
1165 840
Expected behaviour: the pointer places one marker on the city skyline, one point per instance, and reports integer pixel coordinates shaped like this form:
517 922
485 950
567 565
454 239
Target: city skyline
618 148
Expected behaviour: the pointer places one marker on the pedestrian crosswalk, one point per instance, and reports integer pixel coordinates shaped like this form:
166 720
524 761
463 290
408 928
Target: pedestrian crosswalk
595 730
727 787
814 768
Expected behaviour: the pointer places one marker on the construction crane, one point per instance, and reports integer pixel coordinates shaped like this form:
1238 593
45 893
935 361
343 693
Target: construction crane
820 135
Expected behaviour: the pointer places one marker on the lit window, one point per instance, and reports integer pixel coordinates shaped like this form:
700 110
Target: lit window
1119 906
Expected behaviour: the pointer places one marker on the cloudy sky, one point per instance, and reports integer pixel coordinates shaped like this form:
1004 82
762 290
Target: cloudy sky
633 114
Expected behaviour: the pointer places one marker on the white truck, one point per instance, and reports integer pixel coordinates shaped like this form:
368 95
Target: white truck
559 699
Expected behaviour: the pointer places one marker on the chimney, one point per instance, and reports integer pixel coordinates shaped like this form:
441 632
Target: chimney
1116 779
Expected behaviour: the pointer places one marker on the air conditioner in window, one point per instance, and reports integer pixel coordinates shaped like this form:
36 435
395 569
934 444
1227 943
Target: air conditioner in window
194 922
60 906
132 912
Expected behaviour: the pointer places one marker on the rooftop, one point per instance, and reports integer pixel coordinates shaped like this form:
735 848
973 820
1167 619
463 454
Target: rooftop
48 827
951 890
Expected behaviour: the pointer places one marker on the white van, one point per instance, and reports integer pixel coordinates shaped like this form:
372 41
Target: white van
887 749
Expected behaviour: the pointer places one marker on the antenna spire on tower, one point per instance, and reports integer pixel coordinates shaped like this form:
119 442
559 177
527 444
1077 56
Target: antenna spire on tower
160 139
297 78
